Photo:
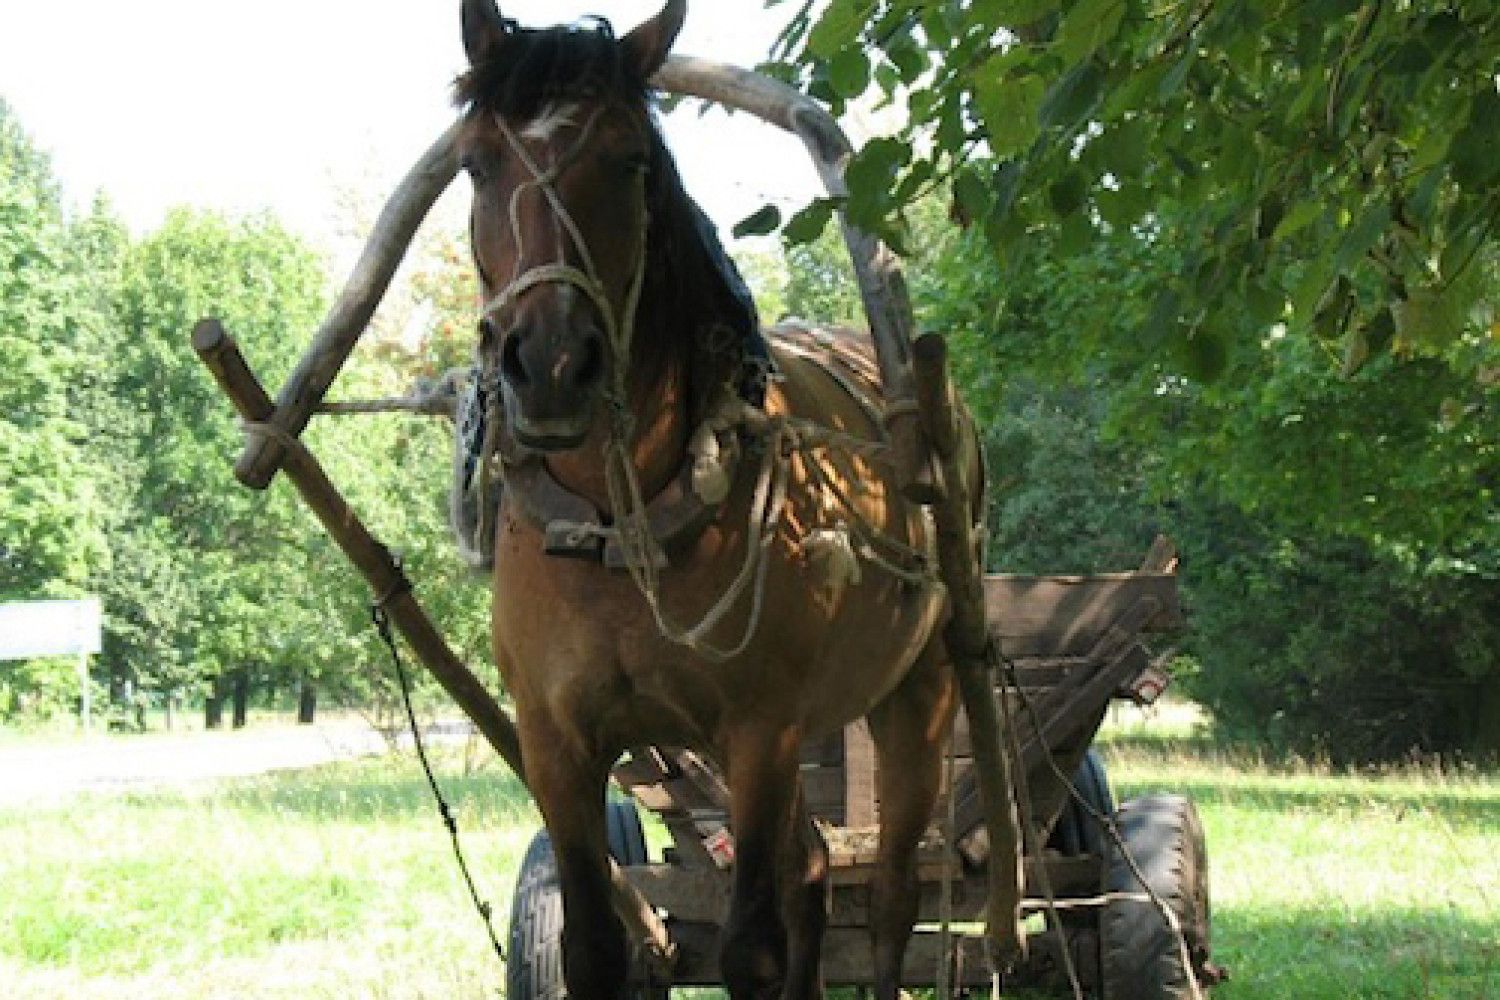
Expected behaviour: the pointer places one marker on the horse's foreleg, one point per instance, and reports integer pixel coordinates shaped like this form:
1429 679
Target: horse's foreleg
569 789
762 783
909 729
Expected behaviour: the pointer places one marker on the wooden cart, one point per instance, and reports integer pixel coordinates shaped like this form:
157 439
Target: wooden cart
1117 892
1073 644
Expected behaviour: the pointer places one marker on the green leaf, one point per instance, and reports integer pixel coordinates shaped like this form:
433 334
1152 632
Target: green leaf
808 224
871 174
1372 224
849 72
838 27
1089 25
972 195
1298 218
1072 97
1008 103
758 223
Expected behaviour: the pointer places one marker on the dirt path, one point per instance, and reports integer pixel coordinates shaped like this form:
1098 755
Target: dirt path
49 771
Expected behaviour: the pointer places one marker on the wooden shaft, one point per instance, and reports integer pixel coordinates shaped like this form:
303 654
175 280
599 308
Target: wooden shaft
222 357
877 270
967 638
374 561
346 321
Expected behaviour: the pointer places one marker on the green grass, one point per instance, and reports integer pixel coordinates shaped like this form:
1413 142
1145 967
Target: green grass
1329 885
338 881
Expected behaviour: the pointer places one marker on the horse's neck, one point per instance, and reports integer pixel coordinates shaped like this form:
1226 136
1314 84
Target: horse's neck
660 418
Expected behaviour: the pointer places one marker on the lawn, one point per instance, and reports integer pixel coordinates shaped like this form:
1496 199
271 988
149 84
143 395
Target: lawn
338 881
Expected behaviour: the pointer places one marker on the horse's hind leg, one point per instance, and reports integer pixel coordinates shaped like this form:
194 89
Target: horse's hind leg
804 903
909 728
762 783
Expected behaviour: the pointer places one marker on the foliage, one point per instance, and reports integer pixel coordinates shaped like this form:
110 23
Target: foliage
50 539
115 450
1331 164
1339 531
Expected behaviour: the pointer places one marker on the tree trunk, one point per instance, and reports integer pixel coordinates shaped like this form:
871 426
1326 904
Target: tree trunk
307 703
240 696
213 706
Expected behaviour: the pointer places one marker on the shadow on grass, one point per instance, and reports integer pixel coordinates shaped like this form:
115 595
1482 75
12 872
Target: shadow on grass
1313 954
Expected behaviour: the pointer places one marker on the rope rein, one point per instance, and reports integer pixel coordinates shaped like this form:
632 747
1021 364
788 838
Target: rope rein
381 619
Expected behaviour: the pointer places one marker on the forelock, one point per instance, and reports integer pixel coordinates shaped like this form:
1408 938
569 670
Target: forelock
540 67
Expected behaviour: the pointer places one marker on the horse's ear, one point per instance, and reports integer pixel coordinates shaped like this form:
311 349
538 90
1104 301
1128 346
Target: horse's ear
485 30
649 43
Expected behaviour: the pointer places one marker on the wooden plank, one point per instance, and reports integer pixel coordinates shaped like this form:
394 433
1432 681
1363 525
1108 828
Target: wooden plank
823 789
1162 556
861 801
701 894
1056 616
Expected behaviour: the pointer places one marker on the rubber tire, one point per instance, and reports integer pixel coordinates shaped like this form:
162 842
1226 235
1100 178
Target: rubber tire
1076 832
533 965
1139 955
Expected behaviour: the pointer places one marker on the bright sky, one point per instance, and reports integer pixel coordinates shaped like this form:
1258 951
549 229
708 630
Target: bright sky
284 104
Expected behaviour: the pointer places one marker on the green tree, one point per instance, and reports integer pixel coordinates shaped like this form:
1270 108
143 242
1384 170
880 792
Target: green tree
50 512
194 589
1329 165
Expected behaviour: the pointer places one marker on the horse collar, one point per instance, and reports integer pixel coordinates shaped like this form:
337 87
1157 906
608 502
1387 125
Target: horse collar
572 527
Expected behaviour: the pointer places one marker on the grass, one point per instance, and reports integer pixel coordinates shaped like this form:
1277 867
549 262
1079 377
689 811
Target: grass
337 882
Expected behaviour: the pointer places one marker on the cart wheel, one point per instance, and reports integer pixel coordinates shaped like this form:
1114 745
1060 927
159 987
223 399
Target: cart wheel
1077 832
533 966
1140 955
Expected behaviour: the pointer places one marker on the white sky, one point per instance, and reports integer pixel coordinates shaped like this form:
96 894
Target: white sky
283 104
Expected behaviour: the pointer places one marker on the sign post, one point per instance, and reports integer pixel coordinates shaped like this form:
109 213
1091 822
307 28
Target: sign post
31 629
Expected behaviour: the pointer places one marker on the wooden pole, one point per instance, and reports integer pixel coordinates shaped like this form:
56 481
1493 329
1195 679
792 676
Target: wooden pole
968 638
218 351
346 321
877 270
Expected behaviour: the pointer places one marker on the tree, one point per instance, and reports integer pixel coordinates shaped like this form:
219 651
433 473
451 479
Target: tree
50 531
1339 531
195 589
1326 165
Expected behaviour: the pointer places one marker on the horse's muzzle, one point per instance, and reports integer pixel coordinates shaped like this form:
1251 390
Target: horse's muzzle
550 378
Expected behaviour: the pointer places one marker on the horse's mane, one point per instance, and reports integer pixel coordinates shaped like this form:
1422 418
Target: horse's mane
693 303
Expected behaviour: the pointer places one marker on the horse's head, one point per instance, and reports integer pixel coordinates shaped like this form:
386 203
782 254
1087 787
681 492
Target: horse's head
559 143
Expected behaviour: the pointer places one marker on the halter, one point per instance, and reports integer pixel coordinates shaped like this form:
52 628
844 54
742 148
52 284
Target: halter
619 330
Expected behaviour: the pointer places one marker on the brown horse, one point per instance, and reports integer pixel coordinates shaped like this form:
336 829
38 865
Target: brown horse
611 357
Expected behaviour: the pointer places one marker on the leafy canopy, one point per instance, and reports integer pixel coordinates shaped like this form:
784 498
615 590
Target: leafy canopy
1326 164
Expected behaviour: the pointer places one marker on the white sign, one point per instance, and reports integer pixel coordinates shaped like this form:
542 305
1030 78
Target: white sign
50 628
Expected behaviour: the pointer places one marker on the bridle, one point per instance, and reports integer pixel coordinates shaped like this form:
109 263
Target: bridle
619 330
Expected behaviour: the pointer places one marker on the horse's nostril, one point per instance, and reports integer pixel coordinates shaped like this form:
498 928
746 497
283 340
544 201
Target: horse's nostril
487 332
511 365
591 367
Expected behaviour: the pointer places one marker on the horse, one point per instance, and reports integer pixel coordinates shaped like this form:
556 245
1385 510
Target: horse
683 555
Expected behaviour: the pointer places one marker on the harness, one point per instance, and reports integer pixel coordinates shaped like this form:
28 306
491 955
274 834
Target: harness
642 534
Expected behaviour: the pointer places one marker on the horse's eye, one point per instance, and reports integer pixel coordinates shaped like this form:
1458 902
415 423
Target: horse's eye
471 166
634 163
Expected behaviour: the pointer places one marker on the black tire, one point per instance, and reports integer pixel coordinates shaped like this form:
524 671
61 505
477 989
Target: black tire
533 961
1140 956
1077 832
